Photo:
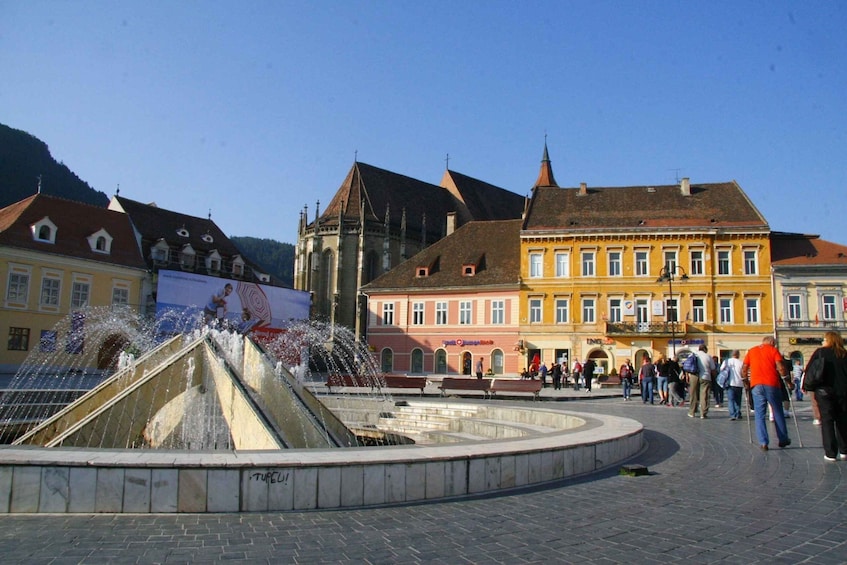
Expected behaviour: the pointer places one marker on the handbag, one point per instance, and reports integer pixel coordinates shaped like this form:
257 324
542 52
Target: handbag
814 377
723 376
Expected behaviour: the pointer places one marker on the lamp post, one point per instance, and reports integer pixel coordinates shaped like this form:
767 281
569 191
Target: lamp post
668 273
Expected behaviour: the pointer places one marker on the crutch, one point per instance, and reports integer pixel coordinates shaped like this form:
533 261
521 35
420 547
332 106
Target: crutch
793 412
747 412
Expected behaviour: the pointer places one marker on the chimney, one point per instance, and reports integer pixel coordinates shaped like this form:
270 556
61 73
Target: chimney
685 186
583 189
451 222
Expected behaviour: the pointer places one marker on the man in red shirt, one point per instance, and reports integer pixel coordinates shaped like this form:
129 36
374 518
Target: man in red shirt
761 371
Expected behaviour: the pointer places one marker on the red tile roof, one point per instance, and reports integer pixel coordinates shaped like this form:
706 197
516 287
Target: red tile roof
494 247
74 222
793 249
715 205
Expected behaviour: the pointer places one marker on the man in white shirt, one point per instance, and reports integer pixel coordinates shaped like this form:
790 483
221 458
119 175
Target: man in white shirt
701 384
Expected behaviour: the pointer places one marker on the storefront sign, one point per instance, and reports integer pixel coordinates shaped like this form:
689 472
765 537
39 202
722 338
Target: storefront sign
805 340
467 342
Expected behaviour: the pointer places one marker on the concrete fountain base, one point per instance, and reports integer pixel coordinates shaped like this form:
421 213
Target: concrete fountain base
463 449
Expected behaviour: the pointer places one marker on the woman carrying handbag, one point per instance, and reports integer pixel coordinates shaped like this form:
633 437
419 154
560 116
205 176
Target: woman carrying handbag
831 393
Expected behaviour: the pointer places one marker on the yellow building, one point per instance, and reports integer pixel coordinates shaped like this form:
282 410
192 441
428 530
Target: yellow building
57 257
617 273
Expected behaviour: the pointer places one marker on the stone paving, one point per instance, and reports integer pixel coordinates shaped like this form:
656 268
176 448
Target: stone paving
710 496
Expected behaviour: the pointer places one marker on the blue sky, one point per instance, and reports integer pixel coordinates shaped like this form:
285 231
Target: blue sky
254 109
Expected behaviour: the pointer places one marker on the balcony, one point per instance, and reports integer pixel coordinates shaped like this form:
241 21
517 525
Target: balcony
652 329
822 325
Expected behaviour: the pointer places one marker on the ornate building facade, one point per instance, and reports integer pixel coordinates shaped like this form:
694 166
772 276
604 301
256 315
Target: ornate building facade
613 273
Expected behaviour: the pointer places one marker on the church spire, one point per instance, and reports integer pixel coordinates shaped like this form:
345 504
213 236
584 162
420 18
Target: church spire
545 176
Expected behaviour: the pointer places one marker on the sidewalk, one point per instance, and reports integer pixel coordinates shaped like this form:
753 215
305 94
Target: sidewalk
710 496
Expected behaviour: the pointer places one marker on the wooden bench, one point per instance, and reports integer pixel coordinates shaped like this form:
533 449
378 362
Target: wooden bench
609 381
450 383
378 382
512 385
401 381
351 381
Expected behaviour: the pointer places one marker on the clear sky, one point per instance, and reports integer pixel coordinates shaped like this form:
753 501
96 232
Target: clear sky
254 109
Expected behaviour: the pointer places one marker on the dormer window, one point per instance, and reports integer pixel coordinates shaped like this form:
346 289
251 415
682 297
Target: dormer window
186 257
237 266
182 232
44 230
423 271
160 253
207 238
473 265
213 262
100 241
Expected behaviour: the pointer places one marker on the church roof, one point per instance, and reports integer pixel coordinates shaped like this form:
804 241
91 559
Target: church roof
373 190
702 206
492 248
483 201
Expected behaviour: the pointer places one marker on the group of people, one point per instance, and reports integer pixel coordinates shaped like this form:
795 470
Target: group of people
764 375
558 373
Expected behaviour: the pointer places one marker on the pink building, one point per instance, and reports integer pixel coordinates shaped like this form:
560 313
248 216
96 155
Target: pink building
451 305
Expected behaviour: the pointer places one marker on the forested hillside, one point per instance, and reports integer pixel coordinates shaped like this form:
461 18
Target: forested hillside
276 257
24 158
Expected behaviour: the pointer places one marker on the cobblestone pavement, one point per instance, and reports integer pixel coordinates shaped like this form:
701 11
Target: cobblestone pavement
710 496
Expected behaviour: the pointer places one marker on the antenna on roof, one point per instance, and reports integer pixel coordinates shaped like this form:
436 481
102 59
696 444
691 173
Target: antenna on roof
676 172
210 213
355 155
118 190
447 161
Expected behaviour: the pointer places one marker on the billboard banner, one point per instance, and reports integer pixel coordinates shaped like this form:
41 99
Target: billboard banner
185 298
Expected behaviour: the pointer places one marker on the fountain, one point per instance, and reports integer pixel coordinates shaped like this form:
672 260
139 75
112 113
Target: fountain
209 421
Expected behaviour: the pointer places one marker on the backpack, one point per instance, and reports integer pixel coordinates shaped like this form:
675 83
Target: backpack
814 377
691 365
625 372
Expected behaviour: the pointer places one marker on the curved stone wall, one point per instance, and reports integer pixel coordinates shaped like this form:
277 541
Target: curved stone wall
67 480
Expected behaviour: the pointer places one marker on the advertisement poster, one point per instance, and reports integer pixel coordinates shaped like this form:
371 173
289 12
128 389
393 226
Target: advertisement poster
186 299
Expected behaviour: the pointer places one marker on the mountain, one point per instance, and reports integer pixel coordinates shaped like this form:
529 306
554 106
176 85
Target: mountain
24 158
277 258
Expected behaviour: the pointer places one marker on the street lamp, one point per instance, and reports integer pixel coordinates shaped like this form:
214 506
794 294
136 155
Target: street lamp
668 273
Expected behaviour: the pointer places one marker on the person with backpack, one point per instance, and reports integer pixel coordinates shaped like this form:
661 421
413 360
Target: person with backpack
577 373
700 371
627 374
832 396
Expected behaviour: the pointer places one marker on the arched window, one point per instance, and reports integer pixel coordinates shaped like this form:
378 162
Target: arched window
44 233
386 361
417 361
497 360
441 362
101 244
